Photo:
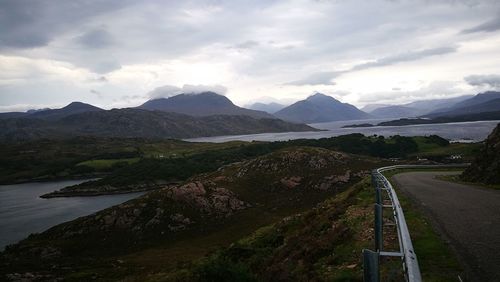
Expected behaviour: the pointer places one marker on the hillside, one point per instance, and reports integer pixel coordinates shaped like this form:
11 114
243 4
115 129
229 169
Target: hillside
320 108
475 104
486 166
129 123
202 104
147 235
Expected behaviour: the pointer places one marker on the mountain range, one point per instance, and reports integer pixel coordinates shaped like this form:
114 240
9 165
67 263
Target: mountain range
210 114
320 108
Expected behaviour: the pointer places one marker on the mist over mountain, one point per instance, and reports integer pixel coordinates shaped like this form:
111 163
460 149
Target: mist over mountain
320 108
427 106
413 109
371 107
395 112
202 104
269 107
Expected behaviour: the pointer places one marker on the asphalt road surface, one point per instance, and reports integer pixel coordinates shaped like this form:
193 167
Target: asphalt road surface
467 216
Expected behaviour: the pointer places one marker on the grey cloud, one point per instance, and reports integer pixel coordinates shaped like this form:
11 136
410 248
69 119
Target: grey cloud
97 38
31 24
319 78
405 57
99 79
189 88
433 90
326 77
104 66
164 91
247 44
491 80
489 26
97 93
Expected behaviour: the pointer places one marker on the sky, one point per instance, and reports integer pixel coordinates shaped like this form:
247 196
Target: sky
116 54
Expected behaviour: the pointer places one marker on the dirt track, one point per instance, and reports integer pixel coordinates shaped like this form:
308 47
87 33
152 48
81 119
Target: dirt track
467 216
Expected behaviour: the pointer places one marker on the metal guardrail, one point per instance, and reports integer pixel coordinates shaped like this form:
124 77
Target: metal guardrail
371 259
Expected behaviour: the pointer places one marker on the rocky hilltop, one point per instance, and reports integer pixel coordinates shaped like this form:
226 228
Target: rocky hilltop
240 196
486 167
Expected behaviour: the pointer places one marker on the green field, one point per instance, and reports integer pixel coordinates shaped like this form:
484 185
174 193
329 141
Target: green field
107 164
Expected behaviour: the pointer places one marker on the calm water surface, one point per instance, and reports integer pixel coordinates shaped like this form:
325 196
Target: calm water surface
23 212
459 131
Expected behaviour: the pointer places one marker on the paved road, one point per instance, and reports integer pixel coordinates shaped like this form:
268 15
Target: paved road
468 216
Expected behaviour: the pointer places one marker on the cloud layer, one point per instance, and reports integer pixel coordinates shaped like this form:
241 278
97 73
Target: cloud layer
167 91
119 53
491 80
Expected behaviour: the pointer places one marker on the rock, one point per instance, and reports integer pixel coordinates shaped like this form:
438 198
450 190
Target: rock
291 182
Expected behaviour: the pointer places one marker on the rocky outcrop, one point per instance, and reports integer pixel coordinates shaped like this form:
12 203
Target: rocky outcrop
303 159
486 166
170 209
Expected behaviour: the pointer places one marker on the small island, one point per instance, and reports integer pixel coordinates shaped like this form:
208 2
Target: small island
358 125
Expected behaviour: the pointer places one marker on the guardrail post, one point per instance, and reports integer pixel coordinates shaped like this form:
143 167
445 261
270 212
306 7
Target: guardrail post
378 195
378 227
371 271
375 183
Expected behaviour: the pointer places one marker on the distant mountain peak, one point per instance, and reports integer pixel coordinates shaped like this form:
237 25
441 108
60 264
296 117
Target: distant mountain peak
320 108
200 104
320 97
271 107
79 105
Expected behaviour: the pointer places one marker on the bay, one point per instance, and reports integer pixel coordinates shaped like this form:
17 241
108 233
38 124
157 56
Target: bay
23 212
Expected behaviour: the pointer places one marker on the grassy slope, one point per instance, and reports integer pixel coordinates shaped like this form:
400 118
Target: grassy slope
118 253
323 244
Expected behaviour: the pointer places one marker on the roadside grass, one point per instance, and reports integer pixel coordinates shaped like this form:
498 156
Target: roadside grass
456 179
436 260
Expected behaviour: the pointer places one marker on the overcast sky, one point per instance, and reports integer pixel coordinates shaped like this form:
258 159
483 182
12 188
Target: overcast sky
122 53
